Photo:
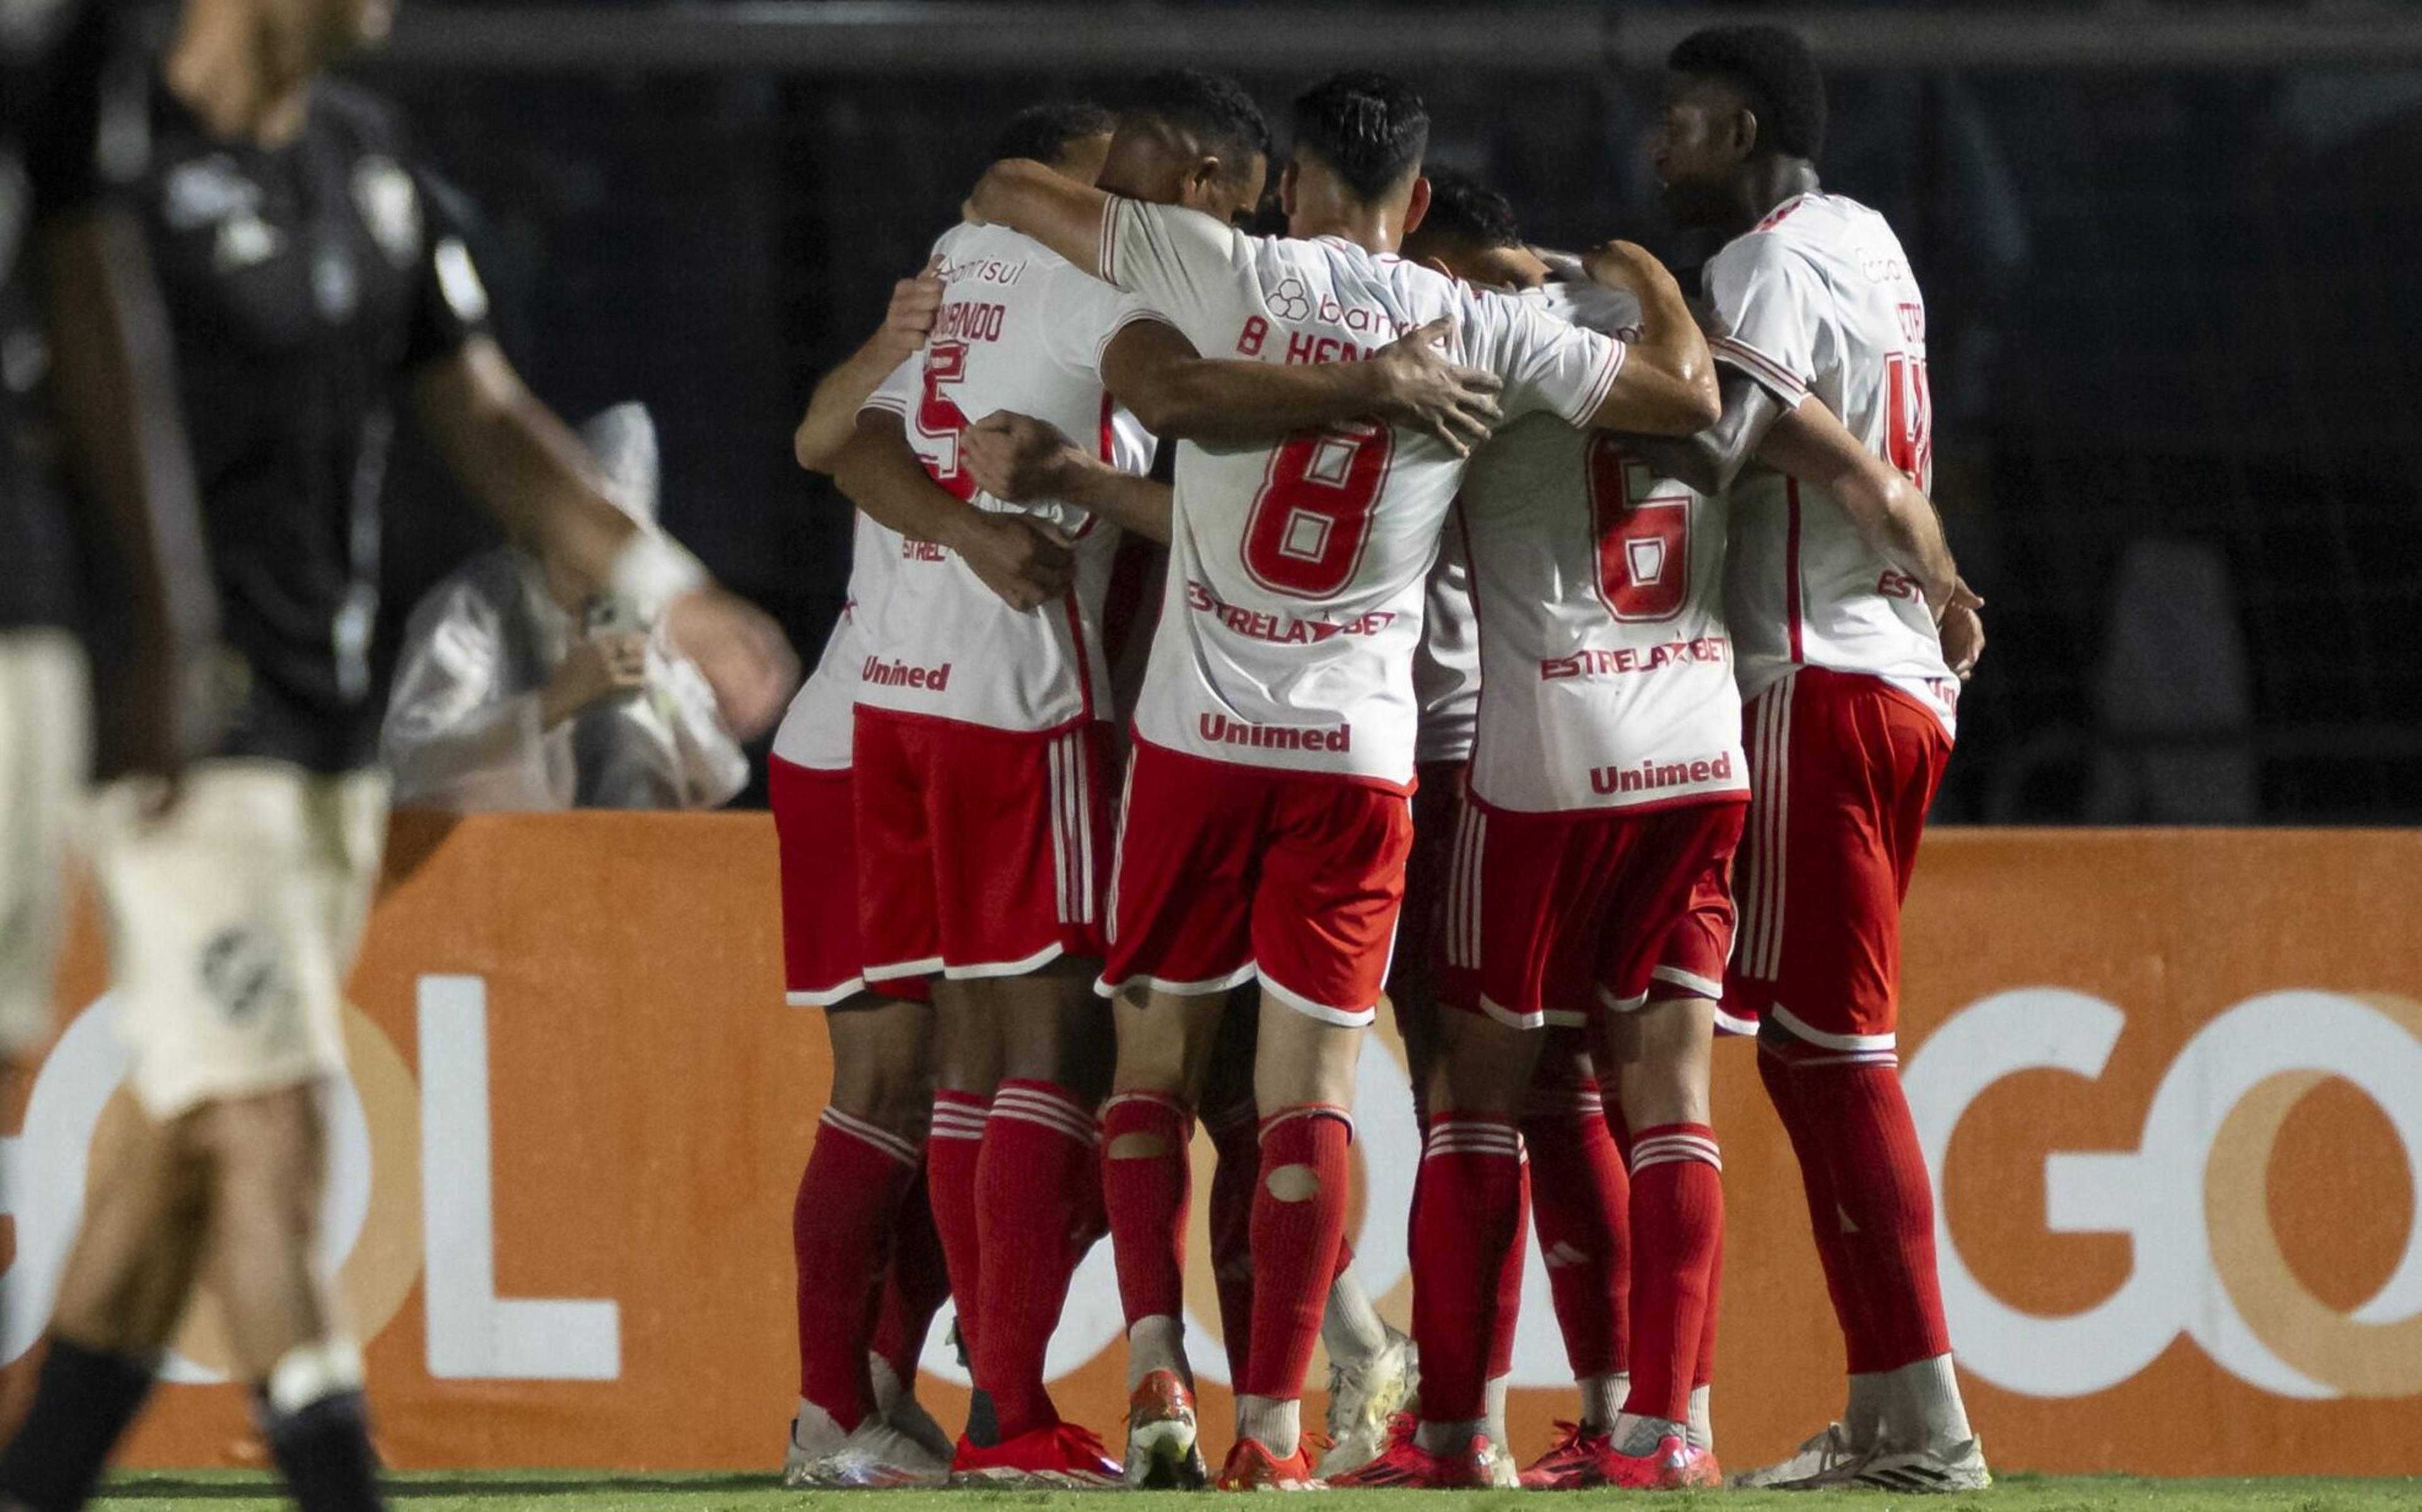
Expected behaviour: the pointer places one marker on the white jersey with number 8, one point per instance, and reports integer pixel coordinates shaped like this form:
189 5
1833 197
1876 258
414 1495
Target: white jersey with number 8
1295 577
1605 677
1818 298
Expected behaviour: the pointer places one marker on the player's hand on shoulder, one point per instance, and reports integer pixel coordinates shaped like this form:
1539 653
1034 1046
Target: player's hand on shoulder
741 652
1017 459
916 302
1025 561
1421 388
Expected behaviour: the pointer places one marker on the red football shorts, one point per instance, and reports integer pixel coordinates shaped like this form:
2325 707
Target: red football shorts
1228 873
816 827
1551 913
1842 769
981 853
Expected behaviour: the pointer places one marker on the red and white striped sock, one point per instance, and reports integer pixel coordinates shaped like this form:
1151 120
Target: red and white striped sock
1467 1215
842 1225
1678 1217
952 1151
1037 1195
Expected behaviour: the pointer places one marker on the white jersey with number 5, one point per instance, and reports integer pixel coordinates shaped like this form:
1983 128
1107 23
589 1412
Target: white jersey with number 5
1605 677
1296 576
1818 298
1020 330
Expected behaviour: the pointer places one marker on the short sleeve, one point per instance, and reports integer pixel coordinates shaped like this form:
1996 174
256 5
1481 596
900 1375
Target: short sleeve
1197 274
1769 305
1086 315
449 303
898 393
90 134
1547 364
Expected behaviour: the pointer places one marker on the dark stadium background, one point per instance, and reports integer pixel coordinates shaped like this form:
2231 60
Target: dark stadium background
2176 320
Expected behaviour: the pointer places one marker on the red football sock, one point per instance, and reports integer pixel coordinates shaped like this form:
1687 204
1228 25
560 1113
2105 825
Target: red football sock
1147 1183
1705 1372
1825 1216
1860 1115
1235 1135
1298 1218
1677 1215
1033 1216
1467 1215
840 1238
919 1284
952 1152
1579 1197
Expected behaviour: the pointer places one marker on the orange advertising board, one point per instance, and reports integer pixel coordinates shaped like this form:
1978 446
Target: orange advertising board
2172 1082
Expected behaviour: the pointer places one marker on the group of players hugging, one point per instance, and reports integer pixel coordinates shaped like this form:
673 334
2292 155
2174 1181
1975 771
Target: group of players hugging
1619 657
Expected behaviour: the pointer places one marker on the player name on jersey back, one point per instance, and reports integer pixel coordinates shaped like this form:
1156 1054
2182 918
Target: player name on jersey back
1606 672
1818 298
1020 330
1297 571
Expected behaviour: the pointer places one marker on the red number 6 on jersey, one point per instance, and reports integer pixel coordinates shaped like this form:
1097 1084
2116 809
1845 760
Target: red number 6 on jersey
1643 537
1309 523
939 419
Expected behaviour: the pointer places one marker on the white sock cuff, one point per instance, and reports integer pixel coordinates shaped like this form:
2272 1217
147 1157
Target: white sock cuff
312 1373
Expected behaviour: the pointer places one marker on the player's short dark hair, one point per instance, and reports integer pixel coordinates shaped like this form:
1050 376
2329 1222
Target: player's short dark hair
1774 68
1211 108
1368 128
1464 208
1045 131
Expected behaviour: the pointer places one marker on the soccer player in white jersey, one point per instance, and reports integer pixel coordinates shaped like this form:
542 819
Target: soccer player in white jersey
981 741
1852 631
1266 818
861 1210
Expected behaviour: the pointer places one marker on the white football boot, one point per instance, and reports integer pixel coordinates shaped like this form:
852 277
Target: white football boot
1362 1398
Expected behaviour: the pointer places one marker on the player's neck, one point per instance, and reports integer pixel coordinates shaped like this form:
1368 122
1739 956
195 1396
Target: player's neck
1767 186
1375 228
242 80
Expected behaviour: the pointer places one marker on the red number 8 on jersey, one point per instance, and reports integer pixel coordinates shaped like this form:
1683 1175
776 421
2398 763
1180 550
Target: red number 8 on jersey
1311 520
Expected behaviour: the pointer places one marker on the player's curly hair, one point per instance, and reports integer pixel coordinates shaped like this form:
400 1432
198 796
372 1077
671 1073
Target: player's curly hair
1045 131
1211 108
1774 68
1372 130
1463 208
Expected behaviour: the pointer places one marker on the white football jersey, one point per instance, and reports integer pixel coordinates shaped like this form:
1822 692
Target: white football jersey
1022 330
1820 299
1446 668
1607 674
1295 577
816 732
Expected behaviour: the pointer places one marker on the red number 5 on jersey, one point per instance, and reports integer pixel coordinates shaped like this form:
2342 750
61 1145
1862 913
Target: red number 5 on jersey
1643 537
1309 523
939 419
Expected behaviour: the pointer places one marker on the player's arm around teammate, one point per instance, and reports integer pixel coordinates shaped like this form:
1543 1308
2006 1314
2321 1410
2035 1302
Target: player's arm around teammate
832 409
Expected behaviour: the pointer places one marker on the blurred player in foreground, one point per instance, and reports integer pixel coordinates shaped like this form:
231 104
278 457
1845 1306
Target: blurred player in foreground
94 474
1852 630
870 1265
1265 820
310 282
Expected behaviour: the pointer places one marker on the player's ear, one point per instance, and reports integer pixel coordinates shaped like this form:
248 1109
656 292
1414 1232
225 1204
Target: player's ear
1417 204
1288 187
1744 132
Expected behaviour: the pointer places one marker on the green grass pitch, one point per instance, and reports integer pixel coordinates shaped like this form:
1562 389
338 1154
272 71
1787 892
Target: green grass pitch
554 1492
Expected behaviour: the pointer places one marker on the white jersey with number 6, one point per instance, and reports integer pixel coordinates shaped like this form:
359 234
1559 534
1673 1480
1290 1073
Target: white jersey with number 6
1818 298
1296 576
1606 676
1020 330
